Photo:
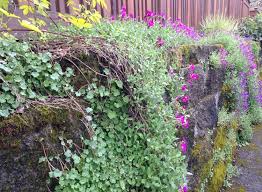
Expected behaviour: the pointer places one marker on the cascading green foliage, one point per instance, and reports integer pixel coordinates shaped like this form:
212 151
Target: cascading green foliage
129 153
239 63
125 155
25 75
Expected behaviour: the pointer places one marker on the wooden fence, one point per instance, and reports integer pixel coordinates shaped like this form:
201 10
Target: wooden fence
191 12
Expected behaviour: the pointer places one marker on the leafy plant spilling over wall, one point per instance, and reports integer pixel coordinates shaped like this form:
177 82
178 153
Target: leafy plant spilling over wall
134 143
251 27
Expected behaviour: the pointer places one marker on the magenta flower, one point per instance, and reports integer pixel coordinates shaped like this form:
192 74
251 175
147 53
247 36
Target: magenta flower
194 76
160 42
192 67
183 120
123 12
151 23
184 88
183 189
185 99
185 125
149 14
183 146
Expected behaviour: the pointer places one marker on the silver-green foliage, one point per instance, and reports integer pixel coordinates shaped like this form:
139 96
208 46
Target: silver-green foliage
132 151
25 75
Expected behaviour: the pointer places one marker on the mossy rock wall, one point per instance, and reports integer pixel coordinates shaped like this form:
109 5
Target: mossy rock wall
22 139
206 139
23 136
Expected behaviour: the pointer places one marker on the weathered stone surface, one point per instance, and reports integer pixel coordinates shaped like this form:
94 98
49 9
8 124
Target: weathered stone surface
22 139
206 99
205 115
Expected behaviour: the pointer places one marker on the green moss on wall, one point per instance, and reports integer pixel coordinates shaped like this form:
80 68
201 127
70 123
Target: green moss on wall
196 150
52 115
32 120
219 174
220 139
229 99
205 171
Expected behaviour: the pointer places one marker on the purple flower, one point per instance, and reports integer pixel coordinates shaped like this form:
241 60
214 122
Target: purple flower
244 95
194 76
185 99
149 13
183 189
183 120
183 146
191 67
247 51
180 27
259 94
160 42
184 88
123 12
151 23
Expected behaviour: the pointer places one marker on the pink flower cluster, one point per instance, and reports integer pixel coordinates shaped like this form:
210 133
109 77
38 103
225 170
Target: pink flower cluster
183 146
247 51
192 75
183 120
123 13
184 87
150 19
183 189
180 27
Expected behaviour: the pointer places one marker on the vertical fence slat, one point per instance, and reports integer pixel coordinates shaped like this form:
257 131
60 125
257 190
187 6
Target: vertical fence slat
191 12
130 7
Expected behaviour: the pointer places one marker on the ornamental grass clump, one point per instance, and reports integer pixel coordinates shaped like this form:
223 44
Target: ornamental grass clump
216 23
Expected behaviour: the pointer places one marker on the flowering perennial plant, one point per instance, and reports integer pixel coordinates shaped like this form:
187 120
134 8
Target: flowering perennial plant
249 55
259 95
244 91
223 53
180 27
183 146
